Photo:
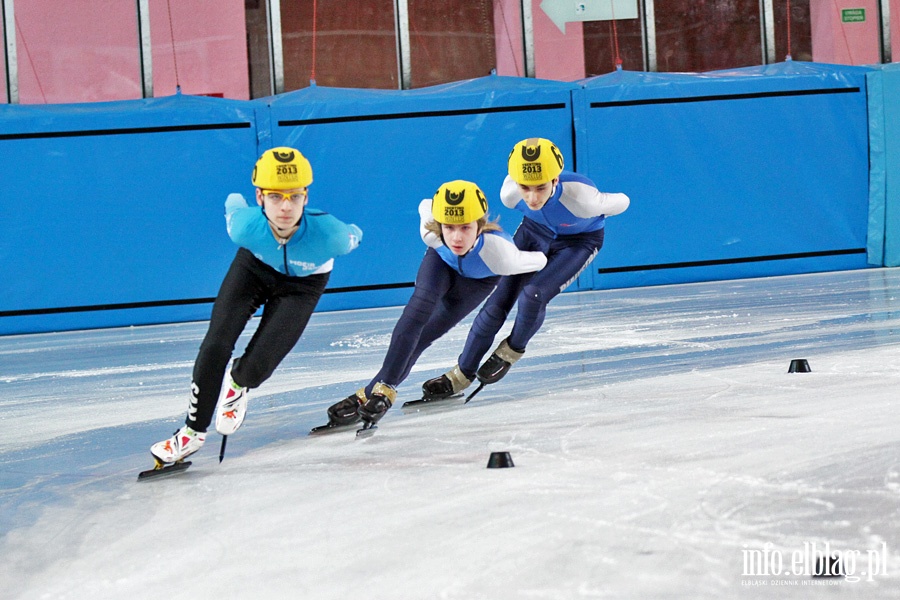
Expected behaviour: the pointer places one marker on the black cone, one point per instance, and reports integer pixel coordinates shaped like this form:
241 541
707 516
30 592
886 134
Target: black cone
500 460
799 365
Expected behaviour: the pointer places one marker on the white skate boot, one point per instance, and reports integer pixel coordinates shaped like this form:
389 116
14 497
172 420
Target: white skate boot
185 442
232 407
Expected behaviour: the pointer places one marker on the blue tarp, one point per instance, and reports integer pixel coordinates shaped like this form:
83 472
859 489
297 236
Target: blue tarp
747 172
114 216
117 204
884 193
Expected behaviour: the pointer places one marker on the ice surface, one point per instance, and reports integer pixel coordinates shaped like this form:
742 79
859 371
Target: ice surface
658 441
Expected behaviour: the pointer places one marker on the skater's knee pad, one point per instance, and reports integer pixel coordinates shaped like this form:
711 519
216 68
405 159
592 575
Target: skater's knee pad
419 308
532 296
214 350
490 319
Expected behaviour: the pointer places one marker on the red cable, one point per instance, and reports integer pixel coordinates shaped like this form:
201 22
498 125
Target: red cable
172 37
512 52
618 60
788 28
21 36
314 35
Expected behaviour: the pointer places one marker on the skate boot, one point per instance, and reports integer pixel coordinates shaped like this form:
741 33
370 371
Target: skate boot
346 412
185 442
498 364
382 399
450 383
232 407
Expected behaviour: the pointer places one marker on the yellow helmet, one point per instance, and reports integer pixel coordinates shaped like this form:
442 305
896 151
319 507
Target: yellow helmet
282 168
458 202
535 161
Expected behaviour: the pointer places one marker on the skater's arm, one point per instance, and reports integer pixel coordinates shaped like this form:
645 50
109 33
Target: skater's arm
431 239
585 201
243 221
503 258
341 238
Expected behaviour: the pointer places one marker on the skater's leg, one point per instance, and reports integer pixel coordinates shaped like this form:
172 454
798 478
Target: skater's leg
285 316
489 321
433 281
457 304
239 297
563 267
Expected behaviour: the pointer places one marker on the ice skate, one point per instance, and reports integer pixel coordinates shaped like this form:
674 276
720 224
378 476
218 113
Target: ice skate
499 363
382 399
346 412
451 383
185 442
232 407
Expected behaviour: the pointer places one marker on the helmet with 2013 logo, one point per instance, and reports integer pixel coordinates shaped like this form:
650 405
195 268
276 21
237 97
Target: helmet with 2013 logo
458 202
282 168
535 161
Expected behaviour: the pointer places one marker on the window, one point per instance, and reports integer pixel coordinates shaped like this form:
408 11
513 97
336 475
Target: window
450 40
344 44
601 39
705 35
800 34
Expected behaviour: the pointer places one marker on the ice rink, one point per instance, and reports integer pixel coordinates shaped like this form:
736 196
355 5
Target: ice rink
661 450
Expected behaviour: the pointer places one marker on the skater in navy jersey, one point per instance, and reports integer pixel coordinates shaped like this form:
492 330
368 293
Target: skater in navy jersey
466 255
564 218
285 256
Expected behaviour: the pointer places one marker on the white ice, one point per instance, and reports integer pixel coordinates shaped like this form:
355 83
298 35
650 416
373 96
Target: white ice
658 442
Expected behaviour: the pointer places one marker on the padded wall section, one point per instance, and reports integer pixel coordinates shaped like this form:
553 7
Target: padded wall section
377 154
746 173
114 212
891 114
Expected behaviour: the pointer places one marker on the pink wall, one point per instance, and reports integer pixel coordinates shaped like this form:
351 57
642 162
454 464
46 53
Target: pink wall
895 30
556 55
3 98
86 54
508 38
210 48
845 43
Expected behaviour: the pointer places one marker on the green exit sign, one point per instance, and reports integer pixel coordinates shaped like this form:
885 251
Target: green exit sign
853 15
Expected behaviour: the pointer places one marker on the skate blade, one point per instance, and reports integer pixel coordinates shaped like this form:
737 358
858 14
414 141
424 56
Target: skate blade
366 432
161 470
327 429
430 401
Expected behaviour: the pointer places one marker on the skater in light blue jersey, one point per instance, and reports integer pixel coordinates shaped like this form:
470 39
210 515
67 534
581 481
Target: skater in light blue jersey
285 256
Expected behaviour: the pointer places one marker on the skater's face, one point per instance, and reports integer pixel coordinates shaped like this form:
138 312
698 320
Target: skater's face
283 208
536 196
460 238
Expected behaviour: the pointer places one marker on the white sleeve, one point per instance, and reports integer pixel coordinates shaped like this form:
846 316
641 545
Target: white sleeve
585 201
431 240
503 258
509 193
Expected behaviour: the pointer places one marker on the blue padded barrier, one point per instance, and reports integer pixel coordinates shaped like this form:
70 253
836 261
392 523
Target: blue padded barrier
889 103
113 212
741 173
877 168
